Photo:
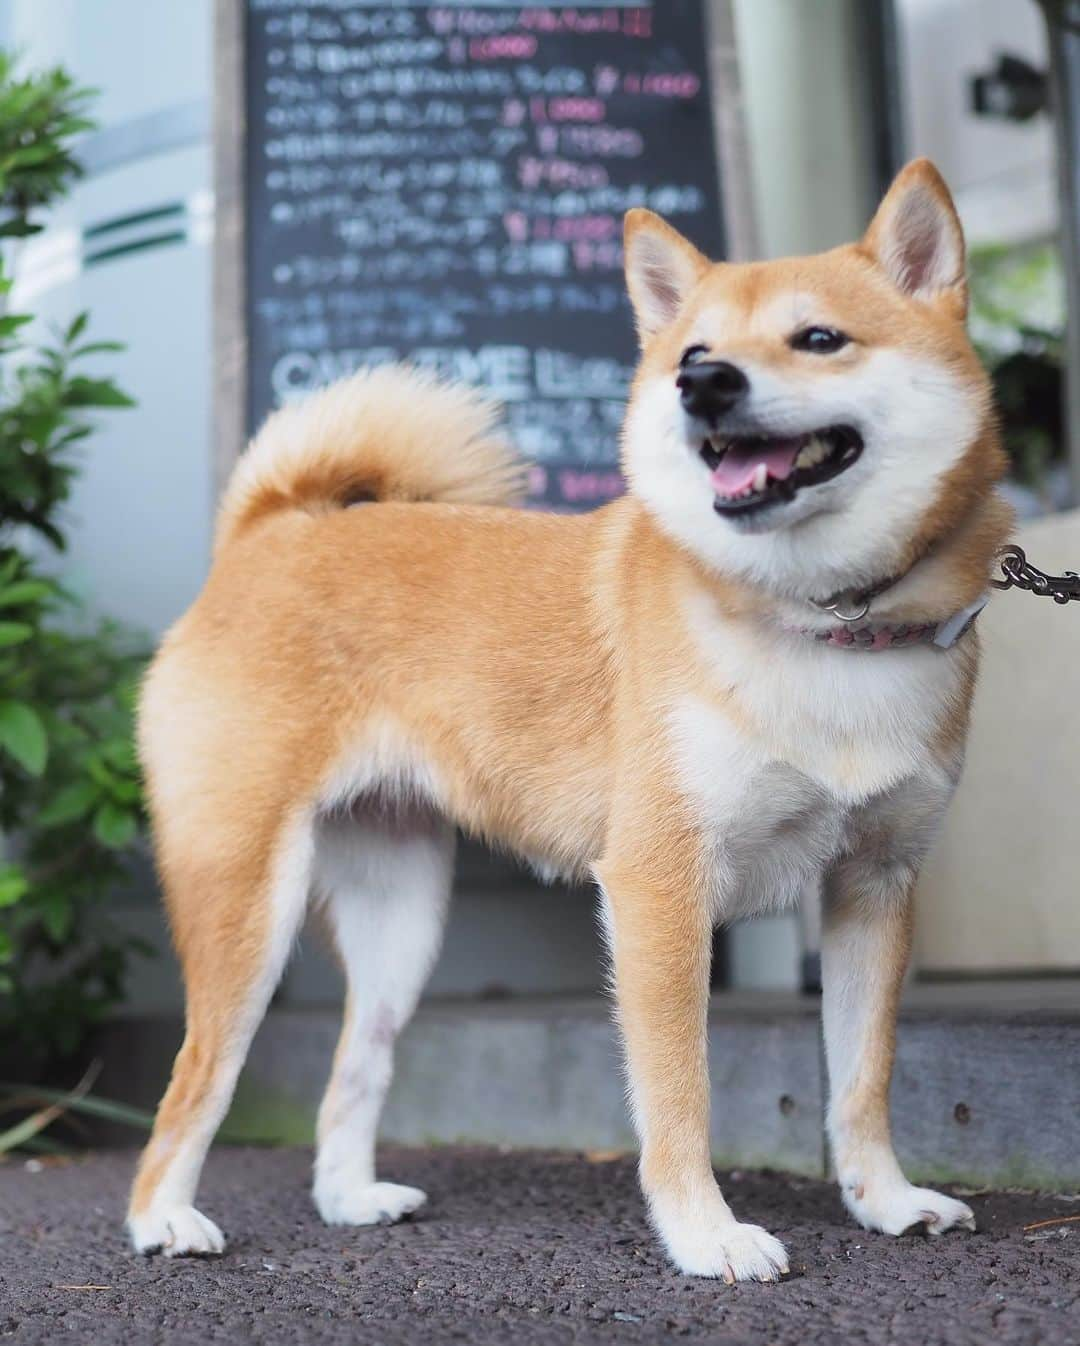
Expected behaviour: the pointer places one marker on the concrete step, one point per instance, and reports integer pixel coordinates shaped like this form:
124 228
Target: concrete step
987 1087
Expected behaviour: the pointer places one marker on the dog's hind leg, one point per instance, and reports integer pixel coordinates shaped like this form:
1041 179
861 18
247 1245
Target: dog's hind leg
234 924
384 879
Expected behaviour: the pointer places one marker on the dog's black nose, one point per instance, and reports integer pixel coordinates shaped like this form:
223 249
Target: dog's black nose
710 387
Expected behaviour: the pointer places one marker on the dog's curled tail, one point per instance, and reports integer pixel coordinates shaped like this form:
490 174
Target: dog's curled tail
389 433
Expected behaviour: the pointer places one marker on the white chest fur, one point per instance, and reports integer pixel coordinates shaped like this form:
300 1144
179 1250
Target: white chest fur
798 746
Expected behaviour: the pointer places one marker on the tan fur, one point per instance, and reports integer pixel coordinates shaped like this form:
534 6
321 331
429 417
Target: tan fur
389 433
527 661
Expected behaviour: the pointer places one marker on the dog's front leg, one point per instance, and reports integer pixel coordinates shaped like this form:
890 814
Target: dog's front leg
661 938
866 944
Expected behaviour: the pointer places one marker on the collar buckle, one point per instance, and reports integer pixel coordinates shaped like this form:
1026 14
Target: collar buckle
952 628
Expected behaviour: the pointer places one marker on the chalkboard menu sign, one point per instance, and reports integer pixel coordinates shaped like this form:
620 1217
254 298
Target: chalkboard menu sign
445 183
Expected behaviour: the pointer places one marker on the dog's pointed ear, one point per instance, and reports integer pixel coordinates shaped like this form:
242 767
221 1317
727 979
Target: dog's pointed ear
917 238
662 268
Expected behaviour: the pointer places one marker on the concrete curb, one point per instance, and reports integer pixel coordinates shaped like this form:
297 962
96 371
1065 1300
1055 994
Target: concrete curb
982 1095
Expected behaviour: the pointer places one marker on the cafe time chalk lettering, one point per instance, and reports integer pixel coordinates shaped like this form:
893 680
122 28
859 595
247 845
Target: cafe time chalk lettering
445 183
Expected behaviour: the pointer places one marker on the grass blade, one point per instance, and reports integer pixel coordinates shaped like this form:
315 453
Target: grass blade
17 1135
92 1106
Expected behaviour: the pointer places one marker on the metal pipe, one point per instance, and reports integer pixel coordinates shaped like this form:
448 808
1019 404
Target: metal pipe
1063 32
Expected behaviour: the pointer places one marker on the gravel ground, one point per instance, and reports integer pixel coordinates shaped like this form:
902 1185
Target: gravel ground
524 1248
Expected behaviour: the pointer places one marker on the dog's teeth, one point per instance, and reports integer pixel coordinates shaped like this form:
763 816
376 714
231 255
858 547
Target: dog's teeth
813 452
761 477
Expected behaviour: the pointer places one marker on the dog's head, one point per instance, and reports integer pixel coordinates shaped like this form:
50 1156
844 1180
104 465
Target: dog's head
813 422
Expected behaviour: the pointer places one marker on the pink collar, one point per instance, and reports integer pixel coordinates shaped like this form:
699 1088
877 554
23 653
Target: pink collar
861 635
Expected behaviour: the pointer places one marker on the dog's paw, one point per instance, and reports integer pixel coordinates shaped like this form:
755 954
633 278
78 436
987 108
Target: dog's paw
732 1252
176 1231
375 1203
899 1207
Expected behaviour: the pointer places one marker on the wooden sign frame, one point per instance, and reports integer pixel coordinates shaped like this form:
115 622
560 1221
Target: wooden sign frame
229 294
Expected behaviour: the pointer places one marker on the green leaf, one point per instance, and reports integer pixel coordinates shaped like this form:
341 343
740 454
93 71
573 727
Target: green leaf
31 156
13 321
56 916
98 348
13 885
82 392
14 633
69 804
77 328
126 791
100 773
120 753
24 591
18 228
71 126
23 735
114 826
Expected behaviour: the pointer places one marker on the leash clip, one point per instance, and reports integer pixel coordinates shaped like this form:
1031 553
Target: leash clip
1018 572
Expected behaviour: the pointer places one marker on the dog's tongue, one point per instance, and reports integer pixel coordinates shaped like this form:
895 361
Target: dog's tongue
739 465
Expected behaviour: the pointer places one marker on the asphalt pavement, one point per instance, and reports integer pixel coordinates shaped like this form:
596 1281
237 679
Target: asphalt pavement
514 1247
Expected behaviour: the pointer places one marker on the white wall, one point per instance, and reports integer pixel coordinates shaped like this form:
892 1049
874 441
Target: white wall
1001 173
140 516
1002 890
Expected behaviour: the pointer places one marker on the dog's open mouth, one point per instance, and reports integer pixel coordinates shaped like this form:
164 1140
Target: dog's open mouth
752 471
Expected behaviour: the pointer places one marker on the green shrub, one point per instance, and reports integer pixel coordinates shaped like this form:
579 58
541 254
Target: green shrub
1018 324
70 797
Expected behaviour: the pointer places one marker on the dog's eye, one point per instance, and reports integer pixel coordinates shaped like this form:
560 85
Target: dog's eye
691 355
818 340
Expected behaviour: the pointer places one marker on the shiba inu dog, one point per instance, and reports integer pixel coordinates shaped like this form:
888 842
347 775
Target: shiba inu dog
748 676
